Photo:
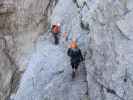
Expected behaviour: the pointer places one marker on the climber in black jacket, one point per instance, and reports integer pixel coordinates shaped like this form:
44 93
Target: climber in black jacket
76 56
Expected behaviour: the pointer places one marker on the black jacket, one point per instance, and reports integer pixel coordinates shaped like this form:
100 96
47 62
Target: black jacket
75 54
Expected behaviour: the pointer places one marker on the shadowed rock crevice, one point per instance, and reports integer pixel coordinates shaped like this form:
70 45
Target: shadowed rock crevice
15 74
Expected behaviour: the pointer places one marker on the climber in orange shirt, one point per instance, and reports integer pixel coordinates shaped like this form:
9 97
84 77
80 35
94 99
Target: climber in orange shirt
56 30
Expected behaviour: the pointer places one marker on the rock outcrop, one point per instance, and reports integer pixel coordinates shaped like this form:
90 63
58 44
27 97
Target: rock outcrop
21 22
103 29
109 59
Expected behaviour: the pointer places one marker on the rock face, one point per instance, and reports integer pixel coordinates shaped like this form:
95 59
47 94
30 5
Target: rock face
103 29
109 60
21 22
5 79
28 23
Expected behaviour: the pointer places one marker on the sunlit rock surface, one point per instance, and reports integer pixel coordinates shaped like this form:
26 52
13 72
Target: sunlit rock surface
103 29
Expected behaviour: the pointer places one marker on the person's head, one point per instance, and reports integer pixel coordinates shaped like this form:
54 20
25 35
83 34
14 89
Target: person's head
73 44
56 25
56 28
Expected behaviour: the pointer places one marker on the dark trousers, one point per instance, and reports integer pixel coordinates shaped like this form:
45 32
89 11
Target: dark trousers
75 66
56 38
